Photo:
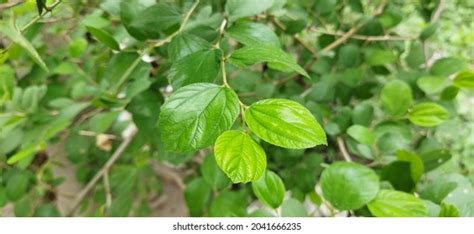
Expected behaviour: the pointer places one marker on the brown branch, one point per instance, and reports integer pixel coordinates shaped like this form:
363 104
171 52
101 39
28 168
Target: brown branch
342 148
438 11
82 194
364 37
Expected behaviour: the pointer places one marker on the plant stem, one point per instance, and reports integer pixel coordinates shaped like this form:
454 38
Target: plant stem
342 148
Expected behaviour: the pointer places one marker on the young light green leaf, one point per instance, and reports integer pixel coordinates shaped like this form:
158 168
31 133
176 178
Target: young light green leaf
448 210
378 57
195 115
275 57
23 153
464 79
201 66
269 189
251 34
212 174
185 44
428 114
239 156
362 134
396 97
104 37
349 186
284 123
390 203
9 29
243 8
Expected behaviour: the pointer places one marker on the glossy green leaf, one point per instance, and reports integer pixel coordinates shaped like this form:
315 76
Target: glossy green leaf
275 57
195 115
251 34
361 134
23 153
239 156
185 44
212 174
244 8
349 186
447 66
396 97
390 203
293 208
428 114
104 37
269 189
284 123
9 29
196 195
201 66
399 174
464 79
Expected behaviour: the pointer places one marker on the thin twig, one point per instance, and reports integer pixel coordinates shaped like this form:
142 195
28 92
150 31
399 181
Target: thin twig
342 39
438 11
363 37
108 194
11 4
82 194
342 148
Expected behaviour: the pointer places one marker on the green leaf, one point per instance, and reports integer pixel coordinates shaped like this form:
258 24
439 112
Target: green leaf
416 56
195 115
293 208
243 8
349 186
9 29
396 97
284 123
464 79
3 196
435 158
363 114
251 34
428 114
429 31
398 173
431 84
23 153
196 195
275 57
239 156
201 66
417 167
212 174
152 21
104 37
348 56
7 82
447 66
449 93
185 44
361 134
377 57
17 185
448 210
102 121
229 204
269 189
390 203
